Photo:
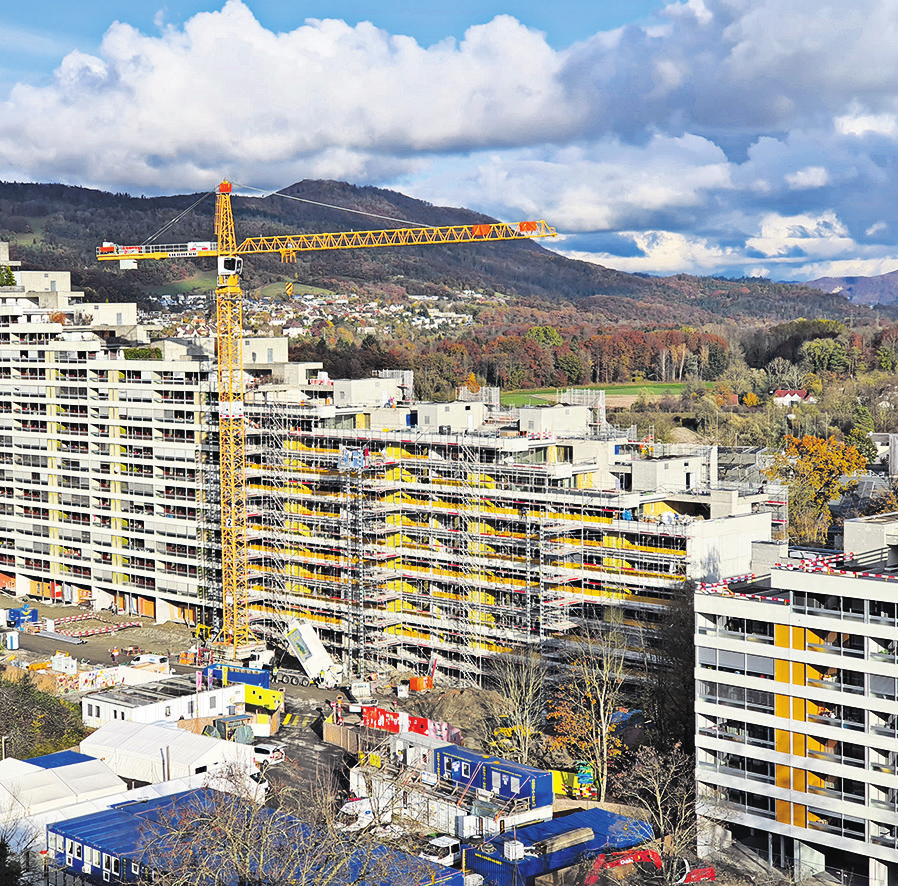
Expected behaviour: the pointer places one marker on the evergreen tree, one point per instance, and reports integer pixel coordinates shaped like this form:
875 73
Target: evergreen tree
6 276
10 866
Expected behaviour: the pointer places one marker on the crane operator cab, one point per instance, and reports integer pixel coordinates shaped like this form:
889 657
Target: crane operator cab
229 265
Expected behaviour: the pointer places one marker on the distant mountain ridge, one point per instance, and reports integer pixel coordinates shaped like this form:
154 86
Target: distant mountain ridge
57 226
879 290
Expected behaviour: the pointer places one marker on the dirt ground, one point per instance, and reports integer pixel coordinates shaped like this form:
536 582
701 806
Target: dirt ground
166 639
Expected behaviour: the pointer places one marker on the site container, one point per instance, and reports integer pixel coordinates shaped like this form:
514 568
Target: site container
502 778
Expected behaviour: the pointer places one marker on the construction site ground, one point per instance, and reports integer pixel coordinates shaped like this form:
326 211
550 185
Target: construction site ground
167 639
469 709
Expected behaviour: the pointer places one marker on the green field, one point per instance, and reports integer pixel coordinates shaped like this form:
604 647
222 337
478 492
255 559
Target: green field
205 281
541 396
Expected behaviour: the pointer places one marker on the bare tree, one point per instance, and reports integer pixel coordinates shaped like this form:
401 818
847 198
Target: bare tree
595 684
217 837
663 786
521 713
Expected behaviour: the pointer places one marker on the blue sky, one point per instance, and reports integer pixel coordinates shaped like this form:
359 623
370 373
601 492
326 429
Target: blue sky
706 136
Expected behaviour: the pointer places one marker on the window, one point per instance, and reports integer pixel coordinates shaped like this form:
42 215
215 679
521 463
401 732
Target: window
200 769
190 707
212 703
515 784
465 770
135 868
271 355
168 710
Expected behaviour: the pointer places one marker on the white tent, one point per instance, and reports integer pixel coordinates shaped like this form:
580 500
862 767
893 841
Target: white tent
29 791
149 753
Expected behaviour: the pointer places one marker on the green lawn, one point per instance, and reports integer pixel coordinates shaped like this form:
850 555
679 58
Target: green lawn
538 396
204 281
37 226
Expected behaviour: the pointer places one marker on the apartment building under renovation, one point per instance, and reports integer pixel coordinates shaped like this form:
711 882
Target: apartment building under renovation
404 530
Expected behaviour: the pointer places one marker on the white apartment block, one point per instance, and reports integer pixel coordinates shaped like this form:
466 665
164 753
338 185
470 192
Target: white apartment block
797 706
404 530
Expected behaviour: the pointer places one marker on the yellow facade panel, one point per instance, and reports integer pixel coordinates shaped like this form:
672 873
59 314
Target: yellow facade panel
782 741
782 706
783 777
781 636
798 638
784 812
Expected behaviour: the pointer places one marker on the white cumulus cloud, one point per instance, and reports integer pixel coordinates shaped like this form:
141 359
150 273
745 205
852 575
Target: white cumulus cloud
740 136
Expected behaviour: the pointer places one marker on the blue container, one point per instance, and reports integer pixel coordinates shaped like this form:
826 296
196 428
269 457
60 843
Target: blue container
612 833
116 845
510 781
18 618
235 674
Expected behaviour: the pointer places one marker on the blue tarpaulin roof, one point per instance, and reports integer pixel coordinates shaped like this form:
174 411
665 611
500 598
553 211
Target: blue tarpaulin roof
62 758
118 832
611 833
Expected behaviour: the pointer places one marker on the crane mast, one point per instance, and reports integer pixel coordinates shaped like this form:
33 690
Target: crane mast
231 433
236 633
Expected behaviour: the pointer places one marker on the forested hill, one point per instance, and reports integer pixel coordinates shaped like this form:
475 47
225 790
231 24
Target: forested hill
59 227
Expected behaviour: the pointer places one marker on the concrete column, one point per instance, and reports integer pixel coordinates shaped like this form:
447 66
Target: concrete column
808 860
879 873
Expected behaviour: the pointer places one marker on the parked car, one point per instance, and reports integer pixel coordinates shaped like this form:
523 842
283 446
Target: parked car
269 752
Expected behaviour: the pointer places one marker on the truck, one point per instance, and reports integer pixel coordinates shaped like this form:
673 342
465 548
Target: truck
301 640
442 850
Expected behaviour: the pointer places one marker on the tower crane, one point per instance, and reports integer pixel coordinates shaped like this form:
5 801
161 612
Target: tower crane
236 633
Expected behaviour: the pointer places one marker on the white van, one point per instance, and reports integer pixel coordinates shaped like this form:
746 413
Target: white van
146 658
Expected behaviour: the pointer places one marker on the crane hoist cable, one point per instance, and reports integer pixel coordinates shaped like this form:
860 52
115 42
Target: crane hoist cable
178 217
401 221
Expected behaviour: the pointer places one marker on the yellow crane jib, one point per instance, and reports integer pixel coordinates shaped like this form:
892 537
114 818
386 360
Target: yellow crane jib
235 631
289 244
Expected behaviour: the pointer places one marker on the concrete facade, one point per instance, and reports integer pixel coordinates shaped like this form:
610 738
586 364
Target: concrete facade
797 706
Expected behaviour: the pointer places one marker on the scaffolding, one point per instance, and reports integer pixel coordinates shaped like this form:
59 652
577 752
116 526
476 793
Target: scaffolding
401 546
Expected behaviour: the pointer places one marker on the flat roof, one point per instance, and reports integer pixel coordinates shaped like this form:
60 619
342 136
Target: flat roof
177 686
